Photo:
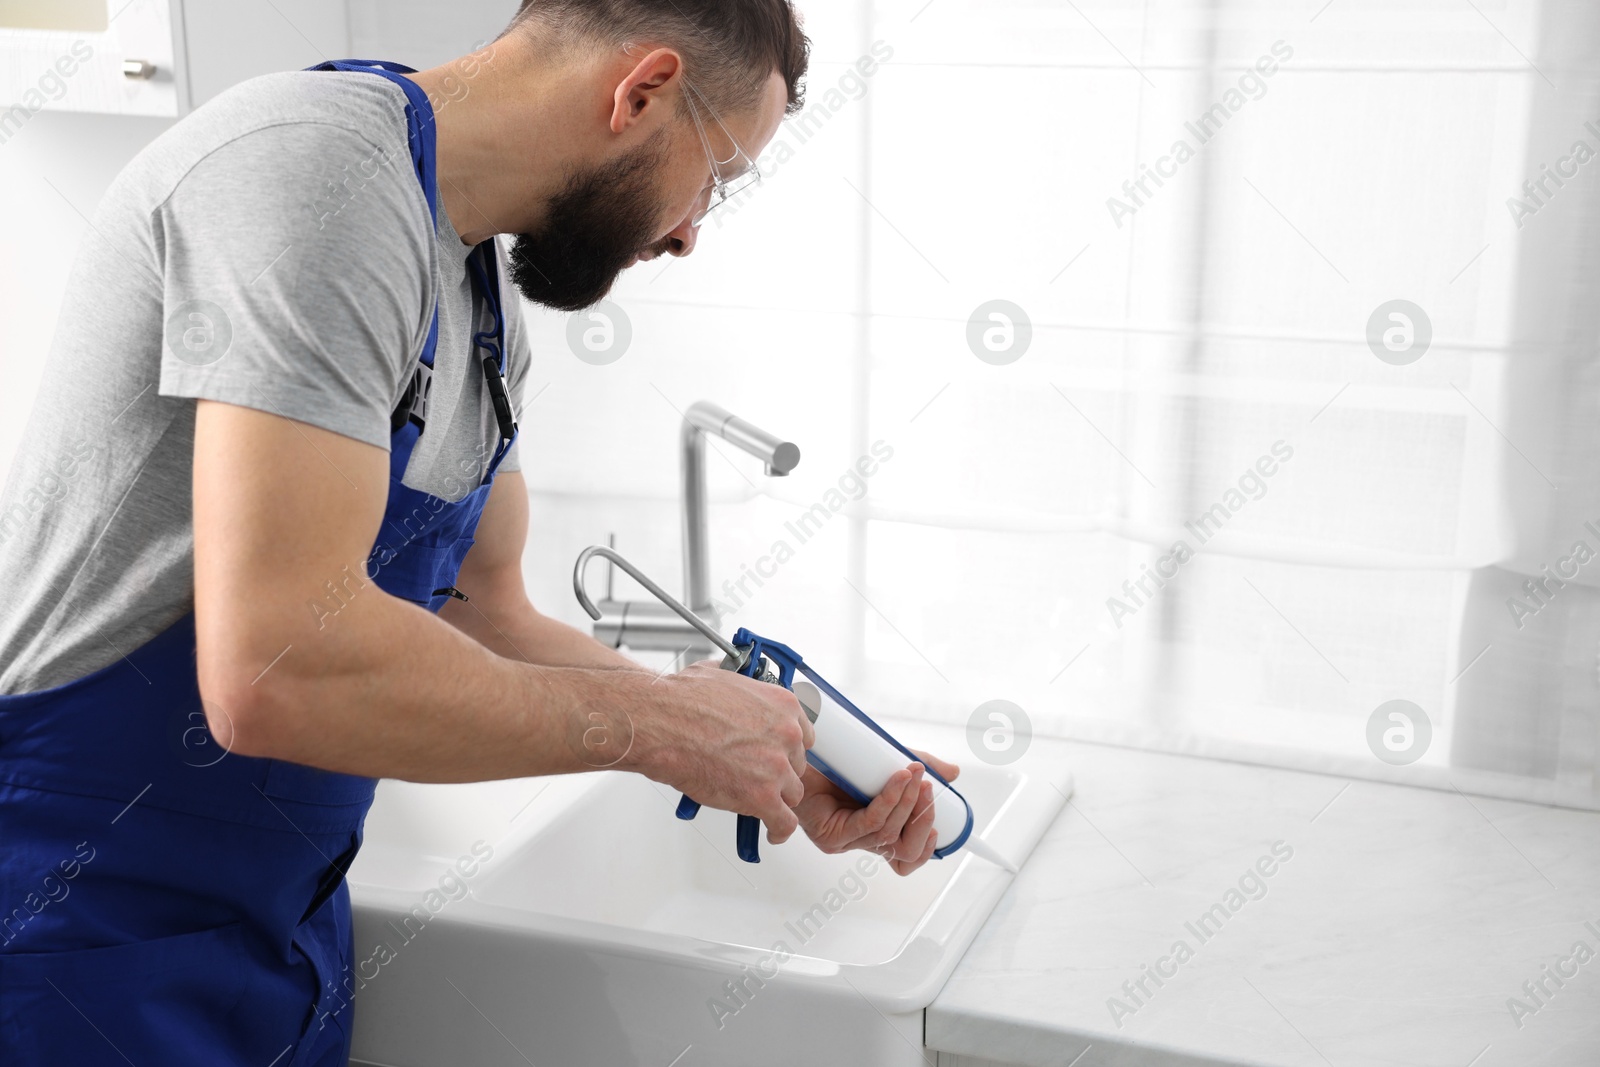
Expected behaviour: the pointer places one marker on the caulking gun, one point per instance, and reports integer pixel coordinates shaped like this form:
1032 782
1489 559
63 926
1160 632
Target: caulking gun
851 750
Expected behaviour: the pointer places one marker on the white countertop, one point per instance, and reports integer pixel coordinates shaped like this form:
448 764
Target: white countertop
1395 933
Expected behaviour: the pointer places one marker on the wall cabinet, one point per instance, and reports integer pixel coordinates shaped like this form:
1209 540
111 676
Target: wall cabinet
152 57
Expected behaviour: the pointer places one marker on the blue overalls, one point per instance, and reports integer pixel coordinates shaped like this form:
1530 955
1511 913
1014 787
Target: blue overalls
165 903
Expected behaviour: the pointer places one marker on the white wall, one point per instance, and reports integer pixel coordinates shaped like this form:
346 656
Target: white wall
52 174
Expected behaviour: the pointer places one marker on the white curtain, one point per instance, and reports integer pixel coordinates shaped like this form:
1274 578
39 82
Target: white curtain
1198 369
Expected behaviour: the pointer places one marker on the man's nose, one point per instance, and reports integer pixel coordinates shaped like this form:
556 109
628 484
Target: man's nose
681 241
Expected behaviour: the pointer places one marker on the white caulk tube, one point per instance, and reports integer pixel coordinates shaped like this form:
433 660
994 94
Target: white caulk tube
860 759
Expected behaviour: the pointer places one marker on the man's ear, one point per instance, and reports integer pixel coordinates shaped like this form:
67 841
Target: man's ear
643 88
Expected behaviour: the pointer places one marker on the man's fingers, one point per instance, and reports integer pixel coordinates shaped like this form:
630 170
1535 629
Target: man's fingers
924 808
919 830
807 731
781 824
903 809
793 790
797 760
948 771
867 824
905 867
795 748
908 842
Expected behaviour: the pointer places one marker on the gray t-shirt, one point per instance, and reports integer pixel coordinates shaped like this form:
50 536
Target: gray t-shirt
273 250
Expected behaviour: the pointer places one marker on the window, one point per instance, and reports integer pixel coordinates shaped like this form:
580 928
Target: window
1364 490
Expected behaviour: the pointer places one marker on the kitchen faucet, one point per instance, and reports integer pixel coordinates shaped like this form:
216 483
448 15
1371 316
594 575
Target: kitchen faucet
649 625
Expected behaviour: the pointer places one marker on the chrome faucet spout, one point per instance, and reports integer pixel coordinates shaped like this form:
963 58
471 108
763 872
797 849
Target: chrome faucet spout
778 457
665 624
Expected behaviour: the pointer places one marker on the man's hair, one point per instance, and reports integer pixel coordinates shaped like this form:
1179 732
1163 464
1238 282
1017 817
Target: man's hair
729 47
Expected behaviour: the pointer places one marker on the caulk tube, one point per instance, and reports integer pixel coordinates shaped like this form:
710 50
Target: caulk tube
858 756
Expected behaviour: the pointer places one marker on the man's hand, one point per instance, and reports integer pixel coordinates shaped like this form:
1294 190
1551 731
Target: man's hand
897 825
728 741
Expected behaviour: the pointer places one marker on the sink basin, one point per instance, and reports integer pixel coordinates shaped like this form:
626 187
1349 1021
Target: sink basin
574 921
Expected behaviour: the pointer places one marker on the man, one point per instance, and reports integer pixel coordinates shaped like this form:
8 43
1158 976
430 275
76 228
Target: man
262 542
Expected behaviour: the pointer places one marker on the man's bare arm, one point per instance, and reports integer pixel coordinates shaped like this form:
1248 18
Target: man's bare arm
385 688
498 613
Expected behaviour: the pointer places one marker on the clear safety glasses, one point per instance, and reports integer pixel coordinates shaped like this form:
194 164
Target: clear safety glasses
729 177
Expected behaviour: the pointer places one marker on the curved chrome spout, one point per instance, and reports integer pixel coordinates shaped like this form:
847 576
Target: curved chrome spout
655 590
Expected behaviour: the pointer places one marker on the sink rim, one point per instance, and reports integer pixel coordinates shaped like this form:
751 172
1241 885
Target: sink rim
908 980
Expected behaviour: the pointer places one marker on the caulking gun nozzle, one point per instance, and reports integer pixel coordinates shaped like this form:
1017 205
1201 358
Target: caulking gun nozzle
978 847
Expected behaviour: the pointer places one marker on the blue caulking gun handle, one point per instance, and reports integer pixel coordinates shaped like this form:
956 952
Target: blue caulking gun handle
747 835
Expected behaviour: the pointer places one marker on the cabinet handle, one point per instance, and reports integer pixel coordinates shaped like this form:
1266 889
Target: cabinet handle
138 69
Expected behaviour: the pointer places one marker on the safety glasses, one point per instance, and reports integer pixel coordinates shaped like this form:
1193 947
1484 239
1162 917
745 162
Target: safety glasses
729 177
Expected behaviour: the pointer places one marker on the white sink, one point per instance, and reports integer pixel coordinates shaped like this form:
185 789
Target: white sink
603 931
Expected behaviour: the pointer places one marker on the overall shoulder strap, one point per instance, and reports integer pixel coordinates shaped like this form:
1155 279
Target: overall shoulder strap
423 139
483 266
419 120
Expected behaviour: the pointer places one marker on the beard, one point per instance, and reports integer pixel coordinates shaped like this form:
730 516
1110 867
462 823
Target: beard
595 225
